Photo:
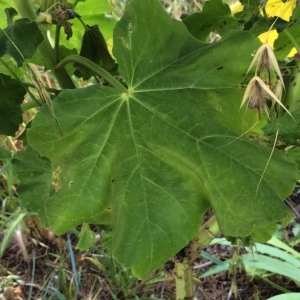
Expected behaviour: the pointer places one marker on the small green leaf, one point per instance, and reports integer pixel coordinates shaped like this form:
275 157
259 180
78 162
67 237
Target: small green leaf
11 96
215 16
95 49
14 40
10 14
86 238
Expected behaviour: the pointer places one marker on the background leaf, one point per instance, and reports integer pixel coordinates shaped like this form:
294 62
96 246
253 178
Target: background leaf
11 96
4 154
215 16
9 61
14 40
288 130
94 48
283 45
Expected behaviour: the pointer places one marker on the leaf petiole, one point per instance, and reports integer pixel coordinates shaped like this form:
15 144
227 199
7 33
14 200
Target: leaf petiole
93 67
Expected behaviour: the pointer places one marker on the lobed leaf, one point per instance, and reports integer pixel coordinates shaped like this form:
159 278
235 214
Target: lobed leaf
151 160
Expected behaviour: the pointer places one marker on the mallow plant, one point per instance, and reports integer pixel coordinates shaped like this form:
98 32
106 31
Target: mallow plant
159 135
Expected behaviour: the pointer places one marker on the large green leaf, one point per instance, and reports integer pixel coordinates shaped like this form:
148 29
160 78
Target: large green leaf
150 159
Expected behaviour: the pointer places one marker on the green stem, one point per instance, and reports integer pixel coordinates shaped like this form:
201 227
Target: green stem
48 89
26 10
93 67
57 35
184 280
29 105
183 275
207 232
83 24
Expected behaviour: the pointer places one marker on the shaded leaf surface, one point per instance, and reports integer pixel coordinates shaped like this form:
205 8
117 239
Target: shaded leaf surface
94 48
11 96
14 40
9 61
151 159
288 130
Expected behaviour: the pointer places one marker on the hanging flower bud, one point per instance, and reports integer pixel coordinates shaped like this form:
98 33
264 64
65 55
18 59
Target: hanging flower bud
265 60
257 92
